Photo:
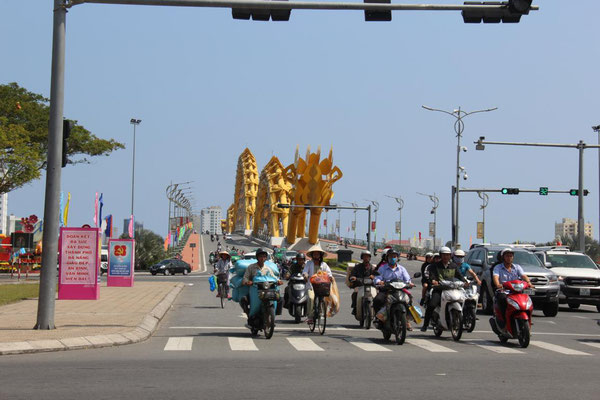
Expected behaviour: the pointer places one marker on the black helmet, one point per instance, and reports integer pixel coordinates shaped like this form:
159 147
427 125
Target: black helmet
301 255
260 250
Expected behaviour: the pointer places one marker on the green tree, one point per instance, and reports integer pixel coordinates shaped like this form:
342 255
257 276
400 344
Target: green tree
24 118
149 248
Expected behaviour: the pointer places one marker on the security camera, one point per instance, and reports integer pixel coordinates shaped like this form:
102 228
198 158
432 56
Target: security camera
463 148
461 168
465 177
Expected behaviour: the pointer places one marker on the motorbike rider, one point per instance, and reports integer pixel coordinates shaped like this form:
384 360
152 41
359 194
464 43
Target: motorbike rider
383 259
388 272
443 270
363 270
222 268
218 247
424 283
296 268
311 267
506 272
259 265
464 268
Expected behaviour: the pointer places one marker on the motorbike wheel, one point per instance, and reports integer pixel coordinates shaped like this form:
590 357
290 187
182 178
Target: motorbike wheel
524 333
399 326
254 332
469 319
269 322
222 295
437 330
367 314
456 327
322 321
387 334
297 313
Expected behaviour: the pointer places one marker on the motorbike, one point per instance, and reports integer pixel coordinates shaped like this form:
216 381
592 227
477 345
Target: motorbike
364 302
470 306
517 319
448 315
264 318
396 311
297 297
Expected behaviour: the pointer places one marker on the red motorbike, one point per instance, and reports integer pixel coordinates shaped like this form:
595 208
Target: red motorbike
517 319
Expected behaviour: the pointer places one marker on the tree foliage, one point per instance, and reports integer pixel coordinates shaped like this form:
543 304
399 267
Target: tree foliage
24 118
149 248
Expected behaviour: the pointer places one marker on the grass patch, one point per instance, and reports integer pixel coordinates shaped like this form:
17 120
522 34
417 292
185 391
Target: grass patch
16 292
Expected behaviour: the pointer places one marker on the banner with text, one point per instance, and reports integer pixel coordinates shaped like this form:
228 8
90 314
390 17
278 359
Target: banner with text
79 260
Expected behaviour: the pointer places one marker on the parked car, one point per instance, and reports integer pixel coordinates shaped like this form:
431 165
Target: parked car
333 247
547 288
171 267
104 260
578 275
228 236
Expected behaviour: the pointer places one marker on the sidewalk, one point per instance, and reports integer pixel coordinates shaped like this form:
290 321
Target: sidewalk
120 316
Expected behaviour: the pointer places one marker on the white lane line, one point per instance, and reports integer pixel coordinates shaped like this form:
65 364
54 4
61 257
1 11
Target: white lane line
179 344
242 344
495 347
203 258
593 344
366 344
429 346
558 349
579 316
304 344
240 328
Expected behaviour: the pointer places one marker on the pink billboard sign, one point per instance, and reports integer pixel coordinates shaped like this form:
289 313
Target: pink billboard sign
79 260
121 262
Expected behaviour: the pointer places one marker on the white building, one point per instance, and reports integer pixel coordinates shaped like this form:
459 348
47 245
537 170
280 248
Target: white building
568 227
3 213
210 220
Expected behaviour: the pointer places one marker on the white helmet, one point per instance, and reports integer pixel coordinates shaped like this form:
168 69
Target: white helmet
429 254
507 250
445 250
365 253
459 253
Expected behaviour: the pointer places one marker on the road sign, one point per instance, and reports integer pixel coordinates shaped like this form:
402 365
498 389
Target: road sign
543 191
432 229
480 230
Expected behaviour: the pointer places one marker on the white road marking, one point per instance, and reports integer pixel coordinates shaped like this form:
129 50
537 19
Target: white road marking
593 344
242 344
429 346
239 328
579 316
495 347
179 344
203 258
366 344
558 349
304 344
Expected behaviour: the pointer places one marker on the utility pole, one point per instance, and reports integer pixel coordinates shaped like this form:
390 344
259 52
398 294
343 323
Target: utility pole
400 207
436 202
485 200
597 130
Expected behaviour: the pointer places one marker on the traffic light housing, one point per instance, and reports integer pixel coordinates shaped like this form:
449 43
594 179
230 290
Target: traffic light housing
510 191
262 14
509 11
67 126
575 192
378 15
543 191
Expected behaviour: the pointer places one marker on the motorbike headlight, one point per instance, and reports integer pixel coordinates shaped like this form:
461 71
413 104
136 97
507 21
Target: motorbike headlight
514 304
518 287
529 303
298 286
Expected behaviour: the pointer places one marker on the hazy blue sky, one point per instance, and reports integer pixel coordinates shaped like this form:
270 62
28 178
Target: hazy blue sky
206 86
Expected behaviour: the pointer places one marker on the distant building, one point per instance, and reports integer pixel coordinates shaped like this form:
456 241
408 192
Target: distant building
569 227
136 226
210 220
3 213
13 224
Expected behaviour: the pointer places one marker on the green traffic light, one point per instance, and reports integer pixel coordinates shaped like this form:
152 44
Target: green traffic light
573 192
543 191
504 191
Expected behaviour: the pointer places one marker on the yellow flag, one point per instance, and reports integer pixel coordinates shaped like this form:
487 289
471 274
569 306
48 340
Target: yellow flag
66 213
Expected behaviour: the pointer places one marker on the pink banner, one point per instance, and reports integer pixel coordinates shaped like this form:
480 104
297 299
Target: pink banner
79 260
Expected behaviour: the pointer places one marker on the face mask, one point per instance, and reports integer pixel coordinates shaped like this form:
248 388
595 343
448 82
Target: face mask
393 260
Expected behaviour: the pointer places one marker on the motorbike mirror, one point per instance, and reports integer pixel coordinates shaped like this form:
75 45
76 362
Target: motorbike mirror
417 275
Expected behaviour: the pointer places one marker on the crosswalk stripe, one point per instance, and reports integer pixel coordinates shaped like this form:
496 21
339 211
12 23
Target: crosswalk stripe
429 346
242 344
304 344
558 349
495 347
593 344
179 344
366 344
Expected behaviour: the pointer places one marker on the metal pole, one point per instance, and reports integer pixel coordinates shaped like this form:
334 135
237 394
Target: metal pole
435 220
369 229
133 170
597 130
458 125
453 223
581 222
47 294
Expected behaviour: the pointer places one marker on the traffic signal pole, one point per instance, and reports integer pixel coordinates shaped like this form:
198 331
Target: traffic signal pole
581 146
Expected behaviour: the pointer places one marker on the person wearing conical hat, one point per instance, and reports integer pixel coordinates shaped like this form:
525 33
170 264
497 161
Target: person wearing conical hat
222 268
314 265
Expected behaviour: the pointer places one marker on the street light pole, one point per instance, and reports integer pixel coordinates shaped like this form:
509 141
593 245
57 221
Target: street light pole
459 127
597 130
400 207
436 202
134 122
376 205
485 200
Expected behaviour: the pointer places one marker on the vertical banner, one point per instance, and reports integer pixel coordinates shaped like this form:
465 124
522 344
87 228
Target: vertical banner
353 225
397 226
79 262
121 262
432 229
373 225
480 230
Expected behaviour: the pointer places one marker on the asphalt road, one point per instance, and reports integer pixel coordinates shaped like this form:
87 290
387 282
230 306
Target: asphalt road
203 351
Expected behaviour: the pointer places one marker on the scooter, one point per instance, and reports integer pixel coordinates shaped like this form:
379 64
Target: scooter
396 311
517 319
448 315
364 302
470 306
297 297
264 319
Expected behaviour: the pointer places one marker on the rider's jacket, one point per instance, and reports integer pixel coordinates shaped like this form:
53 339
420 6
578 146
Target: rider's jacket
363 270
504 275
439 272
296 268
223 266
387 273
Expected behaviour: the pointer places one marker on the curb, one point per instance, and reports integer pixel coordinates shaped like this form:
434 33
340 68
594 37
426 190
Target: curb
142 332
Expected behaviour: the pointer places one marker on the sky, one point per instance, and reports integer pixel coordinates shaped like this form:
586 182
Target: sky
206 86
